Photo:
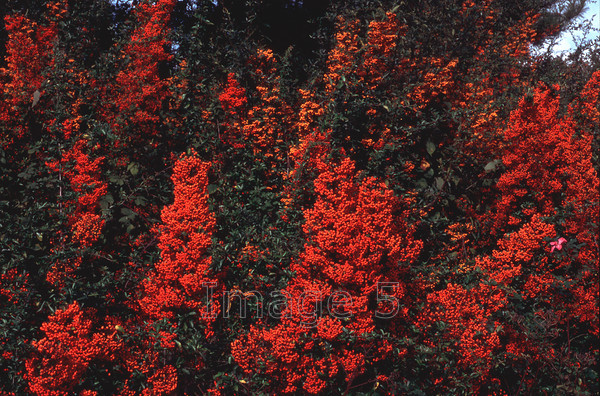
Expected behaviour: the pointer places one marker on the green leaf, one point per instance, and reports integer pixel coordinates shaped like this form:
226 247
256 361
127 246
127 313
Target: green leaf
492 165
140 201
133 168
430 147
439 183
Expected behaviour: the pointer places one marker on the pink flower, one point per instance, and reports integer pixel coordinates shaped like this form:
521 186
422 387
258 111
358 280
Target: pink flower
557 244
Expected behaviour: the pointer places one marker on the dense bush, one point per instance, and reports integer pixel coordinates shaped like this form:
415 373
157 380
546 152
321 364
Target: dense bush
297 197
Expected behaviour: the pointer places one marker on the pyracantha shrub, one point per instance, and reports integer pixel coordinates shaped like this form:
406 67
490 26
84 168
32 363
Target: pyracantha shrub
358 240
